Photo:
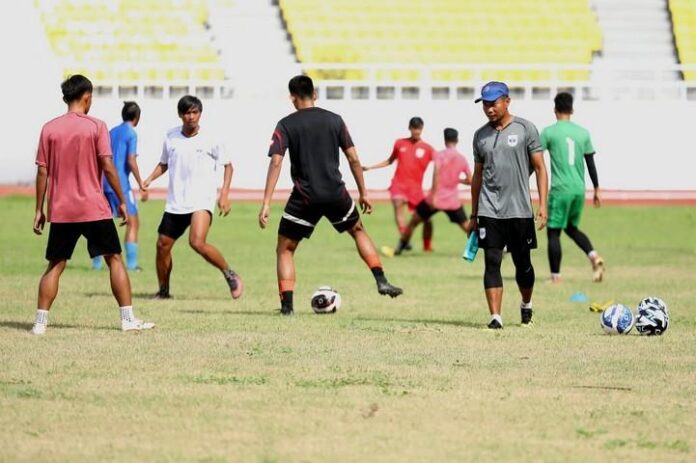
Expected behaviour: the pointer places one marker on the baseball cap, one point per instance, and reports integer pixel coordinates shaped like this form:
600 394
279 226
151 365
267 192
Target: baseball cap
492 91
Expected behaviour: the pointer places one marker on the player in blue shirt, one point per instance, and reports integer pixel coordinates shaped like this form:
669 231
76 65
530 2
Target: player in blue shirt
124 145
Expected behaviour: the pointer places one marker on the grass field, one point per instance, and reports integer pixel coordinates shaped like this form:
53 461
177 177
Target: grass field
412 379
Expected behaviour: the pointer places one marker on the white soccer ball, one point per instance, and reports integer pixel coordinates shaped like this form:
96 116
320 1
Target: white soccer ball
652 316
617 319
325 300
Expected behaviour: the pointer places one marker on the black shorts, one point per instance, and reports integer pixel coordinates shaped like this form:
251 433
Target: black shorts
301 216
101 235
174 225
425 211
517 233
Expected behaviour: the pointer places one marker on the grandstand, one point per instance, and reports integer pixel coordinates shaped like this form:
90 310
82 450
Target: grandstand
684 20
444 32
131 40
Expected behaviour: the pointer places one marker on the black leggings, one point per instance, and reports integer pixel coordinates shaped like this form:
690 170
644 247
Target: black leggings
524 271
554 236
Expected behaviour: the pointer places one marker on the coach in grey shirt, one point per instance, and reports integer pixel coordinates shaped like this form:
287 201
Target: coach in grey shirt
506 152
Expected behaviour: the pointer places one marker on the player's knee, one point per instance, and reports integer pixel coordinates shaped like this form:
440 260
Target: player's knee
357 227
197 243
286 246
492 278
113 259
163 245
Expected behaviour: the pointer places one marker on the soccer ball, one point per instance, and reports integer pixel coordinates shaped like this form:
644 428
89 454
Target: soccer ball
652 316
326 300
617 319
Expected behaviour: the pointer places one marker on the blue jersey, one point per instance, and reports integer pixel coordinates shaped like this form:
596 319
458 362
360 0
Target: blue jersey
124 143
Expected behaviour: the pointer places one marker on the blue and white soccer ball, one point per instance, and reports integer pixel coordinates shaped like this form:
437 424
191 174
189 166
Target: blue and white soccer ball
617 319
325 300
652 316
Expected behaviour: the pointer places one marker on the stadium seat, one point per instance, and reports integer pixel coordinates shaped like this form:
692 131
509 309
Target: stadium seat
462 32
132 40
684 21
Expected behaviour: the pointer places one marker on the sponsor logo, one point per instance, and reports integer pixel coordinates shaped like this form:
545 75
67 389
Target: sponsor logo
512 140
402 149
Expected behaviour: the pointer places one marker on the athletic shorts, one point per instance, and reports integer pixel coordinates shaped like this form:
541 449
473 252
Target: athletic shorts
565 210
301 216
174 225
130 202
517 233
425 211
412 194
101 235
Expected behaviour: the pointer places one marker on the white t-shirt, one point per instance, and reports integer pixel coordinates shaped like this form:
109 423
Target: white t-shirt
195 167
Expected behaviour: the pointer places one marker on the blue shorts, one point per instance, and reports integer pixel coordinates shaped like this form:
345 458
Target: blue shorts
130 202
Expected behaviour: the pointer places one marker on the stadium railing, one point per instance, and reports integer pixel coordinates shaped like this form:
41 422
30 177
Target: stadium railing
422 82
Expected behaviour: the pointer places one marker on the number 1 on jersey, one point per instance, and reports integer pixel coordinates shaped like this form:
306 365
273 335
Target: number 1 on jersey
571 151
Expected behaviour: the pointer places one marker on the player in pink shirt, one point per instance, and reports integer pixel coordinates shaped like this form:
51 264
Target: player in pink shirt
74 150
444 195
412 156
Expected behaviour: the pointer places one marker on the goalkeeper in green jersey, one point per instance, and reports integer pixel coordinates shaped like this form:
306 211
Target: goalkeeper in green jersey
570 149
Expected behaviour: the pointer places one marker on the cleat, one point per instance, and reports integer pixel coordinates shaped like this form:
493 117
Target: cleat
408 247
235 283
162 294
598 270
136 325
388 251
526 315
286 311
387 289
495 325
38 329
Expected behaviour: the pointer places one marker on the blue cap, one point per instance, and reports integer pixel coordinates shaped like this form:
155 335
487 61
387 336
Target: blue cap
492 91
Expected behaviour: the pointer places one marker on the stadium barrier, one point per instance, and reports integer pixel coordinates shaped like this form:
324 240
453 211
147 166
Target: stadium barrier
605 83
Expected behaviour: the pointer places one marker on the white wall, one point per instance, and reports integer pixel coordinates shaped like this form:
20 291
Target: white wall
641 145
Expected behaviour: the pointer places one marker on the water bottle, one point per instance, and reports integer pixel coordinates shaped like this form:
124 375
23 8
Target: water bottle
471 247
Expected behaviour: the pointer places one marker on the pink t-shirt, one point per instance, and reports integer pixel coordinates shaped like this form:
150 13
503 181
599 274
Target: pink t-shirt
68 147
450 164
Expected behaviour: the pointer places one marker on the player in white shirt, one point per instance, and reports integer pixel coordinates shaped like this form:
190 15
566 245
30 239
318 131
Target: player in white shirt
194 160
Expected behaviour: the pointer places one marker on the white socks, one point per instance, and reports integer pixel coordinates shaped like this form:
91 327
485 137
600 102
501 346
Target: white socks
497 317
127 313
526 305
592 255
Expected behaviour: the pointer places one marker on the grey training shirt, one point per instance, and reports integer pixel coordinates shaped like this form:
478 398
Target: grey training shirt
506 159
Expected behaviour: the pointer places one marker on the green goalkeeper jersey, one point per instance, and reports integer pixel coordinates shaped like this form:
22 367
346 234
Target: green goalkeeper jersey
567 143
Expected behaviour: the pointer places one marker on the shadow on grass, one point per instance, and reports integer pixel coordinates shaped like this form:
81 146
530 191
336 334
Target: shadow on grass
150 296
24 326
425 321
266 313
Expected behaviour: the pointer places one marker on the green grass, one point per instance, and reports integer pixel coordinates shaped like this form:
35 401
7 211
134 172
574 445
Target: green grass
412 379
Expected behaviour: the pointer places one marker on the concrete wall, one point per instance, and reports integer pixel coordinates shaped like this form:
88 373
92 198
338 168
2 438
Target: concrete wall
641 145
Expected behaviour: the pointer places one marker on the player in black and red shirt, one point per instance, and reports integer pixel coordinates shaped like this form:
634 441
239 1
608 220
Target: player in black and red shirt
313 137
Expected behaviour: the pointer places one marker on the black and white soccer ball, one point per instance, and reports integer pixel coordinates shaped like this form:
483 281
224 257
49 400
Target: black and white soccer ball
652 316
326 300
617 319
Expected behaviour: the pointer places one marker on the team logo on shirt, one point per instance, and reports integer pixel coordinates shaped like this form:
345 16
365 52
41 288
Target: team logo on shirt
420 152
512 140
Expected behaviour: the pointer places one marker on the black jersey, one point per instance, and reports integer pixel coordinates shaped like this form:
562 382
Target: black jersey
313 137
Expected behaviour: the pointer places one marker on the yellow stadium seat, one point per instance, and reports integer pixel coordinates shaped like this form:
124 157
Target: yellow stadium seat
684 20
132 39
422 32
